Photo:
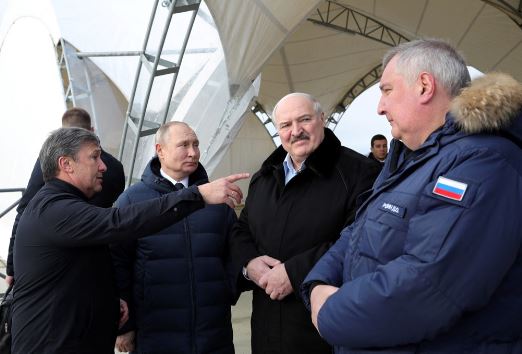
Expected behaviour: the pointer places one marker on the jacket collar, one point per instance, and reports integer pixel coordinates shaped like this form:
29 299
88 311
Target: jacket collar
491 104
321 161
153 178
65 187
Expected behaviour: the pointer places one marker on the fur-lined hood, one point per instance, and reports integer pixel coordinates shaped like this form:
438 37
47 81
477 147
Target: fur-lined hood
492 103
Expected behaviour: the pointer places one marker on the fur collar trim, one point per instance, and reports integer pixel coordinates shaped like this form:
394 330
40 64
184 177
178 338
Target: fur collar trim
491 103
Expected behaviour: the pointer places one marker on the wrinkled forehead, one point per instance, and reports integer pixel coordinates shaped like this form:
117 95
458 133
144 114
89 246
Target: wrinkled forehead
293 107
90 147
178 133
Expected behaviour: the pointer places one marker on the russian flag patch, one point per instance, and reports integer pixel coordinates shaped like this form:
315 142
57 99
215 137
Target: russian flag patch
450 189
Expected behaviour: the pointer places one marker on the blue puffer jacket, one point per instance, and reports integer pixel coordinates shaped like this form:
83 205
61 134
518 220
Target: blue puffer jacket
420 271
176 281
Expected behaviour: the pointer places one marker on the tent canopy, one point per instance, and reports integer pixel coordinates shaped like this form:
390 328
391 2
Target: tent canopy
329 48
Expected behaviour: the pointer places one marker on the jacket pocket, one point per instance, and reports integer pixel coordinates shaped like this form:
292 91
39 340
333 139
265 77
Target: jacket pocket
386 226
382 242
435 218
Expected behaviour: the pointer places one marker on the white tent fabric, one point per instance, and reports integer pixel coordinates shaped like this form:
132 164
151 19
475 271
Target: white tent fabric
202 96
326 62
251 30
31 100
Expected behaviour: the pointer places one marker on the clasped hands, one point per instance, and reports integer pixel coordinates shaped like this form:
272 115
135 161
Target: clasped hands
270 274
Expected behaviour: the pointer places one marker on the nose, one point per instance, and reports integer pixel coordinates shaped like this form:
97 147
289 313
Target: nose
102 167
380 107
296 128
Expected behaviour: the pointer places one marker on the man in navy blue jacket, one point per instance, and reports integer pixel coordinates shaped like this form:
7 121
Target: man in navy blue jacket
433 260
64 302
175 280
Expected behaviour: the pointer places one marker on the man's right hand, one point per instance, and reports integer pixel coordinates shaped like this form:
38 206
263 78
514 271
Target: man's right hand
9 279
125 342
223 190
318 297
259 266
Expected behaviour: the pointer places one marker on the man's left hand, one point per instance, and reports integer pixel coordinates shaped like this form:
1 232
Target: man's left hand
276 282
124 313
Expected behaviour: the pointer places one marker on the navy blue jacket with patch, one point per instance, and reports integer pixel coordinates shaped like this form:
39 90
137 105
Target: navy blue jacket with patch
175 281
420 271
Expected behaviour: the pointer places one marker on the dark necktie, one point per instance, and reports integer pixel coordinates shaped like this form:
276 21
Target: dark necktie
179 186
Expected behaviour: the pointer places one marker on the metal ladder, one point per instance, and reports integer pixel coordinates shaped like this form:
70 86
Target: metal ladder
156 66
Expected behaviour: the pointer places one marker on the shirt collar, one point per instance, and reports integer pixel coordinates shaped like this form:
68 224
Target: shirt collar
290 171
184 181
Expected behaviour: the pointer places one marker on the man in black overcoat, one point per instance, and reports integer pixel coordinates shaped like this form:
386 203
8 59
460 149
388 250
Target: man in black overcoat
298 202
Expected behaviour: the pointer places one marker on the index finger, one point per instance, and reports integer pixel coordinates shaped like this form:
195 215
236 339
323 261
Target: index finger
237 177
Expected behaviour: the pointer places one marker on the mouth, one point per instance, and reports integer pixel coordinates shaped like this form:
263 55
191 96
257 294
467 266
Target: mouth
296 140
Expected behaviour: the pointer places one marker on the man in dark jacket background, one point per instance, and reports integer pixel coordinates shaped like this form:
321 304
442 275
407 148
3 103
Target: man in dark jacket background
298 202
113 180
378 149
60 305
175 281
433 261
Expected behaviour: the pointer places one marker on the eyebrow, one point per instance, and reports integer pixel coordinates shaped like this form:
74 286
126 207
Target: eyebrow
186 141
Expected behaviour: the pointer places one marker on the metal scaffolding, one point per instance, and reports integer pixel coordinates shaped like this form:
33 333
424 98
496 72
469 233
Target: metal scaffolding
155 65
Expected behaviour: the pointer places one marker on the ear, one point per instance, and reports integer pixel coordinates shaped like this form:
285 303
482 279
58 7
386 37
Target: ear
159 151
64 164
426 85
322 117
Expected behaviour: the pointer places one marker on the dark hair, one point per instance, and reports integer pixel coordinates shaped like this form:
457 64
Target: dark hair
377 137
63 142
76 117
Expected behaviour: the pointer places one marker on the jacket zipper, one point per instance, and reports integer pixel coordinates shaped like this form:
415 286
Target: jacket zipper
192 287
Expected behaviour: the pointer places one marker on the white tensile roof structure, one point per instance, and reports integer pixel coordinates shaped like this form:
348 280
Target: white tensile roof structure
242 56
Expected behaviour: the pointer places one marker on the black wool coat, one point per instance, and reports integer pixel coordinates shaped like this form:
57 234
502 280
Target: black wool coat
64 296
296 223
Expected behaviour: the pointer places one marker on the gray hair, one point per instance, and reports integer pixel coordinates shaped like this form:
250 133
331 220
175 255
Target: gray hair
316 104
159 138
63 142
435 56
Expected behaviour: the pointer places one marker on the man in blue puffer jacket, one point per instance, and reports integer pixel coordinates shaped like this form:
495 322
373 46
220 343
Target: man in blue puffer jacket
175 281
433 260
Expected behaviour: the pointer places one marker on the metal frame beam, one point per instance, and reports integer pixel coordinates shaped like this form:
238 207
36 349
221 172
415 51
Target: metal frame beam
513 9
267 122
345 19
370 78
12 206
